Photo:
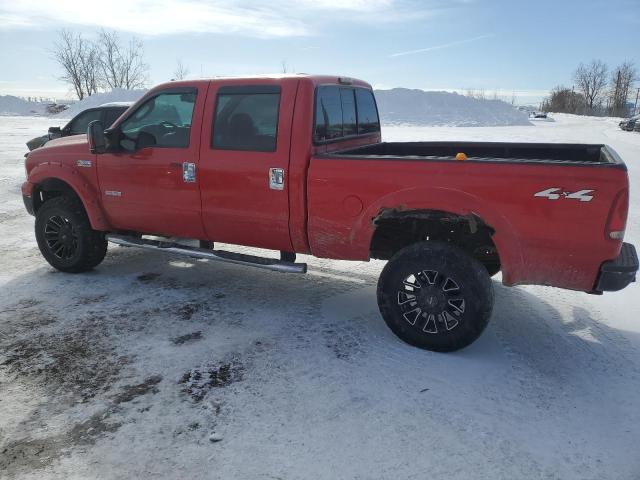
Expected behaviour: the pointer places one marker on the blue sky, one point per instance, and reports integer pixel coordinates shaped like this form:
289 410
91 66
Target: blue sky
526 47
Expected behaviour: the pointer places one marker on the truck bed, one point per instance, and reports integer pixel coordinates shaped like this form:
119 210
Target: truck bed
529 194
488 152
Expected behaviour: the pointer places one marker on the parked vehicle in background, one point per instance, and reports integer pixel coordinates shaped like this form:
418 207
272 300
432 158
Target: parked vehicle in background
107 114
295 164
539 115
630 124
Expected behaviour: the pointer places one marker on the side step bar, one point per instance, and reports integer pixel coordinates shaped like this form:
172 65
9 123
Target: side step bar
218 255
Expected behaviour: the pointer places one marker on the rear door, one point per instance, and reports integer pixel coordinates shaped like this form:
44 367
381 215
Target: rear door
244 161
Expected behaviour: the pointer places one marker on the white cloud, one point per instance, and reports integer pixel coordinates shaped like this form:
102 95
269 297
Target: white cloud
154 17
255 18
444 45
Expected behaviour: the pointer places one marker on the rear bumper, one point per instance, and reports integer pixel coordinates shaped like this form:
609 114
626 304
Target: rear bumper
617 274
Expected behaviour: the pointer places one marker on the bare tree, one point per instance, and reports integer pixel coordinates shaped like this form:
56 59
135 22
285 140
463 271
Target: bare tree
91 66
591 81
121 67
68 51
283 66
135 71
181 71
621 85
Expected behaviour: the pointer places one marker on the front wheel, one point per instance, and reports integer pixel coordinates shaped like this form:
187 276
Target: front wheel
434 296
65 237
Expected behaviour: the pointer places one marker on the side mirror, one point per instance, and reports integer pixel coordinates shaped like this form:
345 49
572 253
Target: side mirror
54 132
96 137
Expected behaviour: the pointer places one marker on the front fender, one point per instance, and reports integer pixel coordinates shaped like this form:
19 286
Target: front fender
77 182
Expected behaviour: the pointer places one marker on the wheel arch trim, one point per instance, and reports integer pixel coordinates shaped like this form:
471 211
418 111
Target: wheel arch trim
58 172
444 200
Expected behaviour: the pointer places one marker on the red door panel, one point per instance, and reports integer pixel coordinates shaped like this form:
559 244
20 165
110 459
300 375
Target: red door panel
239 203
145 190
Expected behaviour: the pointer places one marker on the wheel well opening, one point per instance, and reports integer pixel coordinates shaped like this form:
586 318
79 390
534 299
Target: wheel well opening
51 188
395 230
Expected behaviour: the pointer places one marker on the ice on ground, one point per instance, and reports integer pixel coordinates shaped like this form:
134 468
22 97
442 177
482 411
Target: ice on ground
419 107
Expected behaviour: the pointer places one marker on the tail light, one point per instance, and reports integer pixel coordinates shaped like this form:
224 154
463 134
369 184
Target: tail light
617 220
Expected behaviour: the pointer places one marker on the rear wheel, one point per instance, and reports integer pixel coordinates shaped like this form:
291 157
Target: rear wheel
434 296
65 237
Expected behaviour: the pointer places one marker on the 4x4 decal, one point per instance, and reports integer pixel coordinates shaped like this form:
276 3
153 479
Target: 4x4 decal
557 193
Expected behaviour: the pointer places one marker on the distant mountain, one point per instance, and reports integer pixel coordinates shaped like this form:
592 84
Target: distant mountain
419 107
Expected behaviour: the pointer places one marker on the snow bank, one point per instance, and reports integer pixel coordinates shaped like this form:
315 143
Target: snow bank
97 99
417 107
10 105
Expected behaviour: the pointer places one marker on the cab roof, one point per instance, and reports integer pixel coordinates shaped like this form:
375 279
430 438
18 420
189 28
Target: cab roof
270 78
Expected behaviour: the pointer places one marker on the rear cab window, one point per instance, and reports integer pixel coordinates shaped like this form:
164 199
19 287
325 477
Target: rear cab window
344 112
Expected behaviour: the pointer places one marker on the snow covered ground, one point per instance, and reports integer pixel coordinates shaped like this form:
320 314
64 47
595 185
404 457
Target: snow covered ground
156 367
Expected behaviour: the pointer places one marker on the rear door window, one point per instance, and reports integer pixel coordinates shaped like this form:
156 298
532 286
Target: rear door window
246 118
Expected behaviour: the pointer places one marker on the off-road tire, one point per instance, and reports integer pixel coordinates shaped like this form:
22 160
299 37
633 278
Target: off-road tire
435 296
86 247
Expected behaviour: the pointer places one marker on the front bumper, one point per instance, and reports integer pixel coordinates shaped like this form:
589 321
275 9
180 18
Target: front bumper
617 274
28 204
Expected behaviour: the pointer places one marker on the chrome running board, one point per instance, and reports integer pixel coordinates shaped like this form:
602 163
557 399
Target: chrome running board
217 255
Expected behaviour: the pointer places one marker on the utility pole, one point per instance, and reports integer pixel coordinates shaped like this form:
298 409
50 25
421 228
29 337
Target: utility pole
635 107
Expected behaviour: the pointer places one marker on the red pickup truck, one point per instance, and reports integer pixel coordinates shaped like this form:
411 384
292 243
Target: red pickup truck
296 164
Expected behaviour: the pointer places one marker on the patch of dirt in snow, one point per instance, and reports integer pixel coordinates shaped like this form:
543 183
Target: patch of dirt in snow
72 364
187 338
148 277
200 380
344 341
131 392
30 453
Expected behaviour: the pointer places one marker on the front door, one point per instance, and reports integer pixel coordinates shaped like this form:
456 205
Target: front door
149 184
244 162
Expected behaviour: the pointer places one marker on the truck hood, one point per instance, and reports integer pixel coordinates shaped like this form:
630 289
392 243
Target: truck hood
64 142
61 150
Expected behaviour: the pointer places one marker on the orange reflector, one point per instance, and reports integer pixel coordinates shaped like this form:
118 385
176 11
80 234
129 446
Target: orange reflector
461 156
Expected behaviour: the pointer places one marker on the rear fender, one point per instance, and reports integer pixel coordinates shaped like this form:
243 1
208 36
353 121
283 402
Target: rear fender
447 200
